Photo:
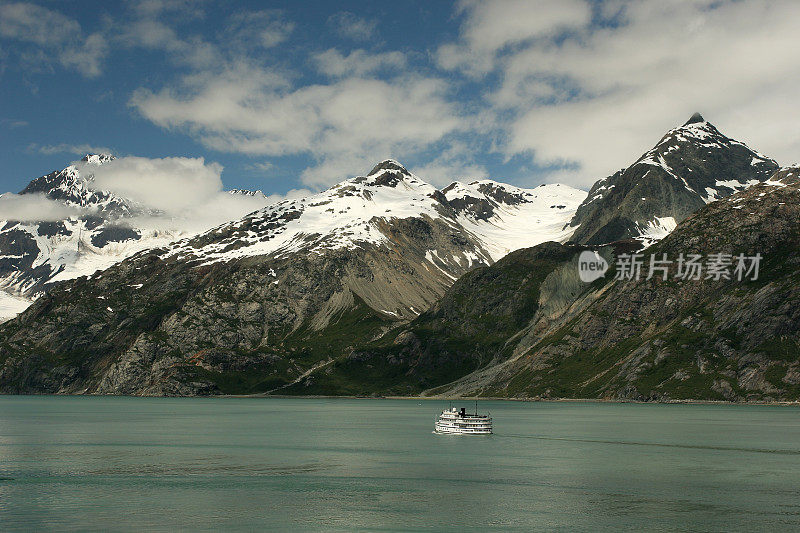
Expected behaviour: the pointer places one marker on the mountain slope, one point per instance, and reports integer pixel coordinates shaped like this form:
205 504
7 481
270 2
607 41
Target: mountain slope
724 340
690 166
254 304
465 330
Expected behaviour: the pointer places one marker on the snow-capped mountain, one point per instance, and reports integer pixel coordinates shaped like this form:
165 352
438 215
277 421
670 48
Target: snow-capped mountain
97 232
74 187
692 165
644 340
321 322
495 218
490 218
11 306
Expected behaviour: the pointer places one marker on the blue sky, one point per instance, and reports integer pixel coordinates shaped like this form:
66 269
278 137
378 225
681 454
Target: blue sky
299 95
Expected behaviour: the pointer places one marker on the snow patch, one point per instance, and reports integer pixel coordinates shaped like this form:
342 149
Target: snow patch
11 306
656 229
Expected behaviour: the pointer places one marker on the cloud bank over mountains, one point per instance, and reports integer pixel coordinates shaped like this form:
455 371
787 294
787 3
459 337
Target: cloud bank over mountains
34 208
550 89
175 193
186 193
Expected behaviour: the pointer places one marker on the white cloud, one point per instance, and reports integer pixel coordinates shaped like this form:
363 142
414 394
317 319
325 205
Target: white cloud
211 211
351 26
86 57
217 209
491 25
158 8
261 166
169 184
12 123
33 208
454 163
187 191
599 95
60 36
178 193
251 111
253 29
357 63
65 148
442 173
577 91
290 195
155 34
335 167
242 35
29 22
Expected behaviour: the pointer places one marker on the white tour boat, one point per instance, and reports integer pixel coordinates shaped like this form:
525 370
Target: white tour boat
455 422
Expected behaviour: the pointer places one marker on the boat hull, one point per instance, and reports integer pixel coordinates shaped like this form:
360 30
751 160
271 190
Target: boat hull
449 431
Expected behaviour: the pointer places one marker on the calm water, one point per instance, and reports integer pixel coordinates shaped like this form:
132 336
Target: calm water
79 463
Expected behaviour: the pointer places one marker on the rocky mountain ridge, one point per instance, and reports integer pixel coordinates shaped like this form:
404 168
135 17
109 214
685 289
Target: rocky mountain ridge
353 212
102 229
690 166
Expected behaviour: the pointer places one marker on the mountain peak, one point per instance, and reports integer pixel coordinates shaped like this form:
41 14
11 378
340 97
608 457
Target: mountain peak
74 186
247 192
697 118
691 165
97 159
388 164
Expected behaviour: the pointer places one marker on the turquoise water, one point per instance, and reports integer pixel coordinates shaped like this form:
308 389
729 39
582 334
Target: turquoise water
77 463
